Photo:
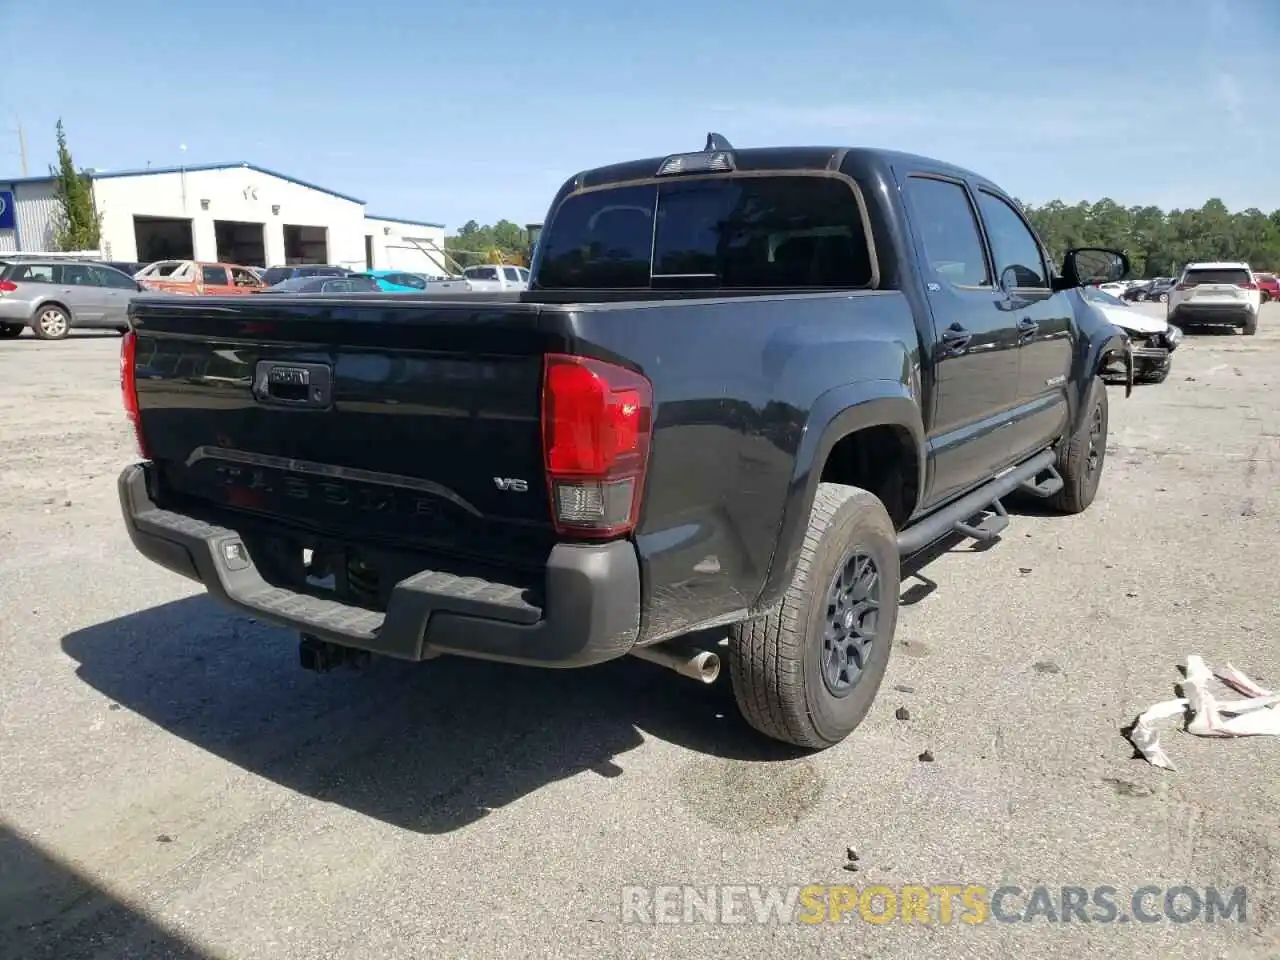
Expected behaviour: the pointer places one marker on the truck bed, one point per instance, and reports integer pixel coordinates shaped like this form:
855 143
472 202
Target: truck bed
434 405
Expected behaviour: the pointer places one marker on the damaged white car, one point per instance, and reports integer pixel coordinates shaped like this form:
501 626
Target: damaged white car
1151 339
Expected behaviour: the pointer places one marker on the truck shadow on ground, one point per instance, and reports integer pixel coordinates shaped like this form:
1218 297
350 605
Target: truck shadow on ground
50 910
430 747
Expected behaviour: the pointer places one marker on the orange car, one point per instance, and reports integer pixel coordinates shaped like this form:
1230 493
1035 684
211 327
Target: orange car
195 278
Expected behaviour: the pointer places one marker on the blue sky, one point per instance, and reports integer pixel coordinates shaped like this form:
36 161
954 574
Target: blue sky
480 109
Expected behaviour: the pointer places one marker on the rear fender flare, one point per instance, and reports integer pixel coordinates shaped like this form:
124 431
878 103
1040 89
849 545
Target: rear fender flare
836 414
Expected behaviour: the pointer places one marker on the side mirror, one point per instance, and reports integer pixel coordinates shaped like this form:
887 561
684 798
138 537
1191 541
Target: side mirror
1089 265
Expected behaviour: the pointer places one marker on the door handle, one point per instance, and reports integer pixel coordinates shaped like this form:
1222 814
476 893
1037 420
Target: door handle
1027 328
955 339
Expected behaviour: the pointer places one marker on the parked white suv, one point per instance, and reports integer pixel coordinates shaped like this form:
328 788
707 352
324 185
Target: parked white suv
1216 293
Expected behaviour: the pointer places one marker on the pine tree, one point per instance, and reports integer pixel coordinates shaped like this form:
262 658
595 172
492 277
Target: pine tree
78 225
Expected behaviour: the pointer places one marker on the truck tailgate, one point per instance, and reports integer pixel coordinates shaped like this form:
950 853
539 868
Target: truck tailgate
410 421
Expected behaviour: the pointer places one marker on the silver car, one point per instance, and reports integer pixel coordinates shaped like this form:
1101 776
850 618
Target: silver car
52 296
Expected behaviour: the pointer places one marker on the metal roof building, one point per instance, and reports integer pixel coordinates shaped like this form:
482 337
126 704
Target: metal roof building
231 212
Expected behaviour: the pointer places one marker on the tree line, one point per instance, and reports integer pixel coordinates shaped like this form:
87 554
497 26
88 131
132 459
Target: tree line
1160 243
475 243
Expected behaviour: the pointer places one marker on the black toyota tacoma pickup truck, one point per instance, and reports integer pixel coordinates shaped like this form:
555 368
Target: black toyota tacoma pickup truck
742 386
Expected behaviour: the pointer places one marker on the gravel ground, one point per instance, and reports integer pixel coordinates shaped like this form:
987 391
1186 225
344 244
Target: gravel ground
172 784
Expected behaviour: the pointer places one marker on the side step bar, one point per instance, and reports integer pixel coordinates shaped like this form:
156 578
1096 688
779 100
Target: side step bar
953 516
989 527
1044 484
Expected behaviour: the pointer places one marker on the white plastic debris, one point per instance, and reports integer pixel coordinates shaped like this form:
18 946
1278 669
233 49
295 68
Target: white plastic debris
1208 716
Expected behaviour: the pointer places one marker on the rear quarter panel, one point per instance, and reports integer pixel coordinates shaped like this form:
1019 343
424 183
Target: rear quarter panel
736 386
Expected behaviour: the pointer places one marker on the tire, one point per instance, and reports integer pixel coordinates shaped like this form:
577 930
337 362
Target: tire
1250 326
1080 471
51 323
777 662
1164 298
11 331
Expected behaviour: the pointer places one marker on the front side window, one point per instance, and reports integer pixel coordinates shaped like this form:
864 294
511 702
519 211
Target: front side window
106 277
1014 247
716 232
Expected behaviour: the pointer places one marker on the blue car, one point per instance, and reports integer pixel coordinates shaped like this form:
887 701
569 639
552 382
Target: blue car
396 281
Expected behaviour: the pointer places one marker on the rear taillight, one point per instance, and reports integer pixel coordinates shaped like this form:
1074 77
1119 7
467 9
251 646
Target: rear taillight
7 286
1247 286
129 388
596 423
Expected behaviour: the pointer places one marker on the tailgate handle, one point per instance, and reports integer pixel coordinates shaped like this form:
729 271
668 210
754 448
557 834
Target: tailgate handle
293 384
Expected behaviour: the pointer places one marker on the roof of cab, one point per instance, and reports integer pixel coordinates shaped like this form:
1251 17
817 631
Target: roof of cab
780 159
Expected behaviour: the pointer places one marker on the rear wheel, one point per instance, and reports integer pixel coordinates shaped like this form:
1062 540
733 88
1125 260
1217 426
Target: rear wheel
808 673
1250 326
51 323
11 331
1164 298
1081 456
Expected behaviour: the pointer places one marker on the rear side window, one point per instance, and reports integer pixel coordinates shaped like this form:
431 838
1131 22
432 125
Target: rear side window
721 232
1232 275
482 273
948 228
30 273
214 276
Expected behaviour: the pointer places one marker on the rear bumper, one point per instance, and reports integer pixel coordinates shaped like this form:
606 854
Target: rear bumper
590 612
1211 313
15 311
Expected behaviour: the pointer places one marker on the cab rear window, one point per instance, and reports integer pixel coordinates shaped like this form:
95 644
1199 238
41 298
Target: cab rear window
720 232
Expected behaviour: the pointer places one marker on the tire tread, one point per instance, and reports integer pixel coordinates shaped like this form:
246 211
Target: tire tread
767 662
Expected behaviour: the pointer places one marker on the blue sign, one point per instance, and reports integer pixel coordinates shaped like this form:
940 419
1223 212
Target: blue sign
8 216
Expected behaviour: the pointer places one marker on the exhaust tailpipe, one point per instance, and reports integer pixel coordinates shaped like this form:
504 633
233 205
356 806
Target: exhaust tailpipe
695 664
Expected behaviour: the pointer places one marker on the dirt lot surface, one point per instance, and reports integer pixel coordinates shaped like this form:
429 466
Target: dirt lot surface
172 784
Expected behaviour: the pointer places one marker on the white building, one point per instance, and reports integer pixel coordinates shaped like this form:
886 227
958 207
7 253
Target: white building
228 212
